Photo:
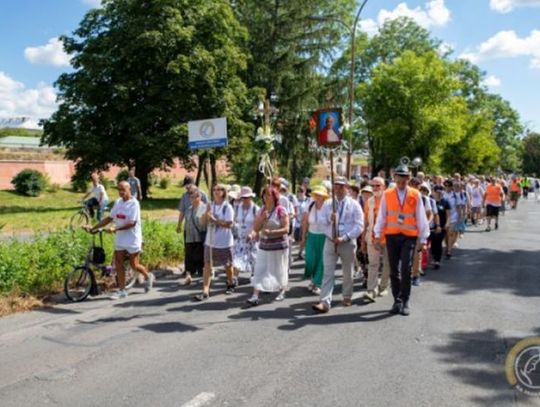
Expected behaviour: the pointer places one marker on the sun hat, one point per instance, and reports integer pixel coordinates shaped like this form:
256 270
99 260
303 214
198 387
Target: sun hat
320 190
246 192
234 191
367 188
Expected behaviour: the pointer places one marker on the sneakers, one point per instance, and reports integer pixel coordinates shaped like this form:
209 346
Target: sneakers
280 296
201 297
347 302
316 290
253 301
230 289
383 293
119 295
149 283
488 229
369 296
416 281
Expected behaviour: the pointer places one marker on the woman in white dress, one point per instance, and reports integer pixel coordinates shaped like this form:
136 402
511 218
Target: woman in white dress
245 244
272 224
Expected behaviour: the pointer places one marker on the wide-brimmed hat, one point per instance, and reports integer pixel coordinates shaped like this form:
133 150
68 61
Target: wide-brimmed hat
284 183
340 181
320 190
246 192
367 188
425 186
234 191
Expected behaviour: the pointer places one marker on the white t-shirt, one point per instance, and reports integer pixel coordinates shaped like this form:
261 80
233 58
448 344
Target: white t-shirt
245 218
477 196
124 212
97 190
220 237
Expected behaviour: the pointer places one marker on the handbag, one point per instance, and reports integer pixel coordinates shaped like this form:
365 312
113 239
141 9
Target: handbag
98 253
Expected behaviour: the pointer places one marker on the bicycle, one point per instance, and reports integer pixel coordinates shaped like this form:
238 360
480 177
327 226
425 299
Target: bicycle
81 282
82 217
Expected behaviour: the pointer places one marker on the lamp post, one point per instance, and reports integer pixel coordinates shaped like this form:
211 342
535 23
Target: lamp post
351 85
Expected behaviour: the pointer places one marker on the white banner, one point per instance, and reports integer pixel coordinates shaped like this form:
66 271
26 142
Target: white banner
208 133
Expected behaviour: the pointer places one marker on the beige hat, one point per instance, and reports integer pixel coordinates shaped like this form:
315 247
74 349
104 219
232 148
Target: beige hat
234 191
367 188
246 192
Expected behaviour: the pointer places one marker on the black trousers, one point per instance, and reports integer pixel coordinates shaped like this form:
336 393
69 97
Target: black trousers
400 250
437 245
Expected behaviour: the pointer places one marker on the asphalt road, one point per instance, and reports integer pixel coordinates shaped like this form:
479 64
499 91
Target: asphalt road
161 349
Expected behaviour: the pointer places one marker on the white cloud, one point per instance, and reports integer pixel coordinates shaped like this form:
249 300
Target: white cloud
505 6
507 44
492 81
92 3
433 14
18 101
51 53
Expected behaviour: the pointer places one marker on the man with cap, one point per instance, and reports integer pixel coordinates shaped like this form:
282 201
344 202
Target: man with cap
376 254
402 222
343 227
186 203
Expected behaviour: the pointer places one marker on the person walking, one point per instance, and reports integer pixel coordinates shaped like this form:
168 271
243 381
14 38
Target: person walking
126 216
343 227
194 236
271 265
219 242
134 185
442 223
402 222
314 232
515 192
377 255
493 198
245 244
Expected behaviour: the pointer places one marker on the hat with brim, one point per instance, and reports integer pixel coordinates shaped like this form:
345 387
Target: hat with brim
340 181
402 170
234 191
246 192
367 188
321 191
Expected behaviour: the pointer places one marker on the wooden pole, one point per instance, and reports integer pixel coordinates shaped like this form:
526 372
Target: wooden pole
334 231
212 227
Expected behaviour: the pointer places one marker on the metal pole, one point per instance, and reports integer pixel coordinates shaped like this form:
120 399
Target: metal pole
351 85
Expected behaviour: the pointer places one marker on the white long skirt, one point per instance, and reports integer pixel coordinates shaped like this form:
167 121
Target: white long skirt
271 270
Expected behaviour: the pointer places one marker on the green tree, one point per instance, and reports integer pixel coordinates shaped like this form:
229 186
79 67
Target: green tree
410 109
290 43
531 154
142 69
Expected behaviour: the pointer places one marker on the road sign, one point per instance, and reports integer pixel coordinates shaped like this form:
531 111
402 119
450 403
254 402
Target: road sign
208 133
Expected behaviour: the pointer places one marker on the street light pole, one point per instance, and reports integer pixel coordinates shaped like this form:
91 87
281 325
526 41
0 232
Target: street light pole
351 85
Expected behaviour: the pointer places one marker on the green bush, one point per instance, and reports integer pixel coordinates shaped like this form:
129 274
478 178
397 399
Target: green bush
38 267
79 182
164 182
123 175
29 182
153 179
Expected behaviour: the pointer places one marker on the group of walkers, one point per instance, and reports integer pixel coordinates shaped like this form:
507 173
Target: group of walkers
385 232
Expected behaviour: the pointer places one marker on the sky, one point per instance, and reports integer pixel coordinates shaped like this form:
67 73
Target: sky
501 36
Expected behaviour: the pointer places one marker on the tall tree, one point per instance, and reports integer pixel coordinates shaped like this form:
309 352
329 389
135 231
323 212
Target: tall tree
410 109
531 154
142 69
290 43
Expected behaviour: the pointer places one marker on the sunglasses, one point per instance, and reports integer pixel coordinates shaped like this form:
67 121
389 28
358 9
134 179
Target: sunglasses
376 185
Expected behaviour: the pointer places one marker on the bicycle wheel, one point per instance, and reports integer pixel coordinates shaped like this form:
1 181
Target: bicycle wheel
78 220
78 284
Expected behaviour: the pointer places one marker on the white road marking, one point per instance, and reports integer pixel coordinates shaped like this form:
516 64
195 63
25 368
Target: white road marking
200 400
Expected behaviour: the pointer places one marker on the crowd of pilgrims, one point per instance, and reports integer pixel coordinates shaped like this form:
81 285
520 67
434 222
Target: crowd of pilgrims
235 233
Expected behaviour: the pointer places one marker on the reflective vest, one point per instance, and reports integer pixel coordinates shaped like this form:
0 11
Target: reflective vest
401 219
371 211
514 187
493 194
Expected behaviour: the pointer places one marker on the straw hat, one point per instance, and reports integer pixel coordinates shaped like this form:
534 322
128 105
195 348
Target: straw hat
320 190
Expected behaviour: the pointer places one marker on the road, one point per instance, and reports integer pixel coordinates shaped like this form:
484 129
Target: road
161 349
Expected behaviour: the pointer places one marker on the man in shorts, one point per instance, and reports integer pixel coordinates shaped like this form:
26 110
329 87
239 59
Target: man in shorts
126 216
493 199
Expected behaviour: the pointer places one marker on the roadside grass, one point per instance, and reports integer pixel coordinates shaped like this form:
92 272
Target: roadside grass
52 210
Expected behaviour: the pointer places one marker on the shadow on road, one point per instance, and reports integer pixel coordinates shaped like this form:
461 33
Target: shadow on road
478 359
169 327
515 271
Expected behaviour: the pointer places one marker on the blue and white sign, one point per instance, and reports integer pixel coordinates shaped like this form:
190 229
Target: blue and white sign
207 133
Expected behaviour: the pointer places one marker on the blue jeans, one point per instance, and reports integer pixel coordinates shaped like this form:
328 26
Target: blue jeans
93 205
